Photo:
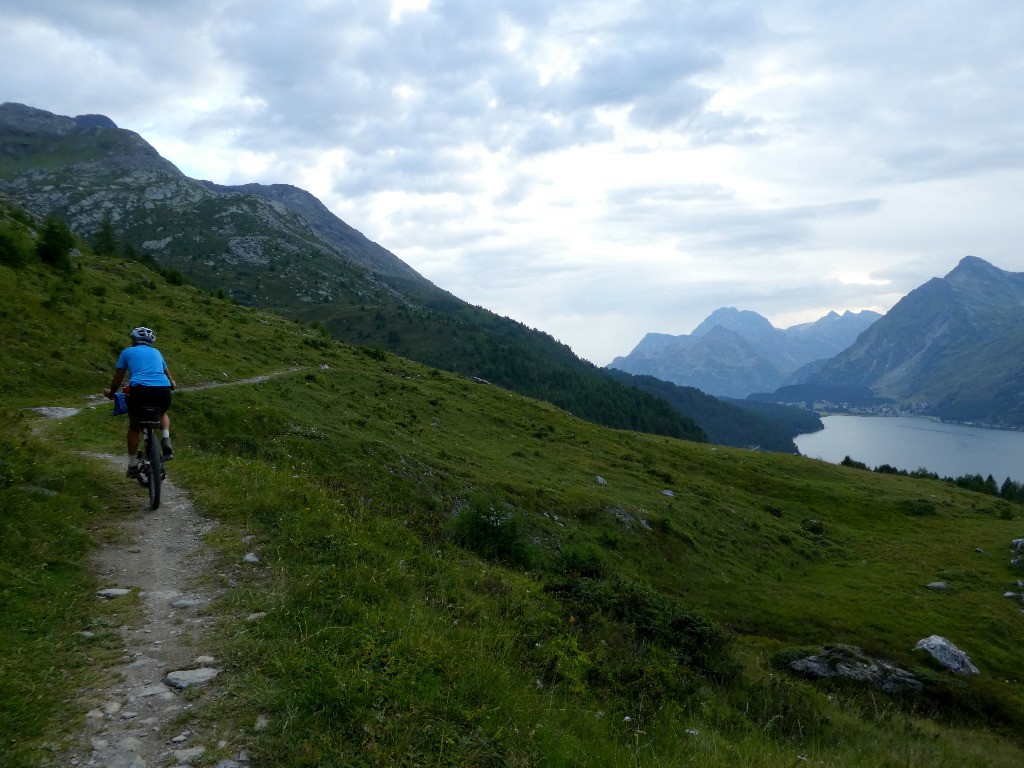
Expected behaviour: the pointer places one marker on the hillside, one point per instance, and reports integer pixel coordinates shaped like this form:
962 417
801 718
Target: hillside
278 248
451 573
734 353
765 426
952 348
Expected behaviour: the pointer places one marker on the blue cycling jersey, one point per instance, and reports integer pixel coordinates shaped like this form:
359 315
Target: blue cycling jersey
145 366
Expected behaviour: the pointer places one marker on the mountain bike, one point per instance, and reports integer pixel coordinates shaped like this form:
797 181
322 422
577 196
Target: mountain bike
151 459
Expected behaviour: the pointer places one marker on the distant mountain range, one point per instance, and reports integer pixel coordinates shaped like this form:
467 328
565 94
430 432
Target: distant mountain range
952 348
278 247
734 353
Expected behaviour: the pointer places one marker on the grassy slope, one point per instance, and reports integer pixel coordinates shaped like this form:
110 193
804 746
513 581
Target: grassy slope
578 623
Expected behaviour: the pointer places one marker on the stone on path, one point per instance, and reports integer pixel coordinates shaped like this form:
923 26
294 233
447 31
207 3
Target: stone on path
184 755
55 412
157 689
113 592
187 602
183 678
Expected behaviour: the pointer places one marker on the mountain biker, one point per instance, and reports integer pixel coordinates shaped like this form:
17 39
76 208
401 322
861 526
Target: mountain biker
149 383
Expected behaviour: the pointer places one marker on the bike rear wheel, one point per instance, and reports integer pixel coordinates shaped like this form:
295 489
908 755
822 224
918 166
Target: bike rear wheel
156 468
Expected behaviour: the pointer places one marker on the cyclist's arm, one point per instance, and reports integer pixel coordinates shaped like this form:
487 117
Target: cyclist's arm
115 382
167 373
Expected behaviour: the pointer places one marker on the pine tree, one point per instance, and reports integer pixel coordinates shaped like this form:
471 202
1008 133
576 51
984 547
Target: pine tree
55 243
105 243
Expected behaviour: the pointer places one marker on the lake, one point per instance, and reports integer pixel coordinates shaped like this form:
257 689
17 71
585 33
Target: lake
905 442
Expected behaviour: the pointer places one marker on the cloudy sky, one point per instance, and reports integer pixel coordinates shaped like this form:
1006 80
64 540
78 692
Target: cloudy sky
597 169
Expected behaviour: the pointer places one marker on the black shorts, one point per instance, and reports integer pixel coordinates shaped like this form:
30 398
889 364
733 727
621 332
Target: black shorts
139 395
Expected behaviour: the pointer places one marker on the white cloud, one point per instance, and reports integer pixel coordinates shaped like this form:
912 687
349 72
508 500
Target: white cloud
596 169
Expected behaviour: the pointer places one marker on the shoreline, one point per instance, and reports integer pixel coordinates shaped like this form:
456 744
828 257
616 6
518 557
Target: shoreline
910 443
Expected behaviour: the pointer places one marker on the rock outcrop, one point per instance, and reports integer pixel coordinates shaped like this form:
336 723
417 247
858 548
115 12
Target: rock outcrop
852 663
948 655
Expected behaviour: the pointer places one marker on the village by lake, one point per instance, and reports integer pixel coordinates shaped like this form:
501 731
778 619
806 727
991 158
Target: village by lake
908 442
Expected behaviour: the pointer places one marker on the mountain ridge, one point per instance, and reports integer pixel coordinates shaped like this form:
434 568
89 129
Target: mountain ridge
734 353
951 348
277 246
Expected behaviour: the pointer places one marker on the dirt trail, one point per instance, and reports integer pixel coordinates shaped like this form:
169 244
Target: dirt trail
95 400
130 719
135 719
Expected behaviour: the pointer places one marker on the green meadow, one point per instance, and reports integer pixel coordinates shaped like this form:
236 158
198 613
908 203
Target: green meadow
453 574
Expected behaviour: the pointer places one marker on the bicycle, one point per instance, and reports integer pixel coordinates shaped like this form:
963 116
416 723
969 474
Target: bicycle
150 456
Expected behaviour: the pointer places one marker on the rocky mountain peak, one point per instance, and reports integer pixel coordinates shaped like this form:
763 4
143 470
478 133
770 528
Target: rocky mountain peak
23 119
94 121
950 348
736 352
744 321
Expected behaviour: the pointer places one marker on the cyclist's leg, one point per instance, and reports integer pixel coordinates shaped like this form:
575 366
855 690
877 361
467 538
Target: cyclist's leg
133 401
165 426
133 450
133 439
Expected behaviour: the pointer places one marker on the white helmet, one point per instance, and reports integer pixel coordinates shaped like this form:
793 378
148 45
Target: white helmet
142 335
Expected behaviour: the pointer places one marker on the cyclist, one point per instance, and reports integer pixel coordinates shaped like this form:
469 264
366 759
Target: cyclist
149 383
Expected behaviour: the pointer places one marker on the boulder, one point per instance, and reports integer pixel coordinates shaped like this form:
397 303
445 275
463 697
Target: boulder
853 664
947 654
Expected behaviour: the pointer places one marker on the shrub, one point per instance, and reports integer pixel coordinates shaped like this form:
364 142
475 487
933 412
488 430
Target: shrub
694 640
918 507
585 560
848 462
55 243
494 534
13 251
173 276
813 526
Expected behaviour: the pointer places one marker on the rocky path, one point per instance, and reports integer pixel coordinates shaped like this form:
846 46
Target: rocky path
139 716
135 717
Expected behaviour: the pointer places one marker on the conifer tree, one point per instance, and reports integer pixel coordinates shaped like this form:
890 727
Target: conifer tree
55 243
105 243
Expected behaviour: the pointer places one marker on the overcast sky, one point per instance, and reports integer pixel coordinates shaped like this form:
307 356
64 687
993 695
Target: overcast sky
597 169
